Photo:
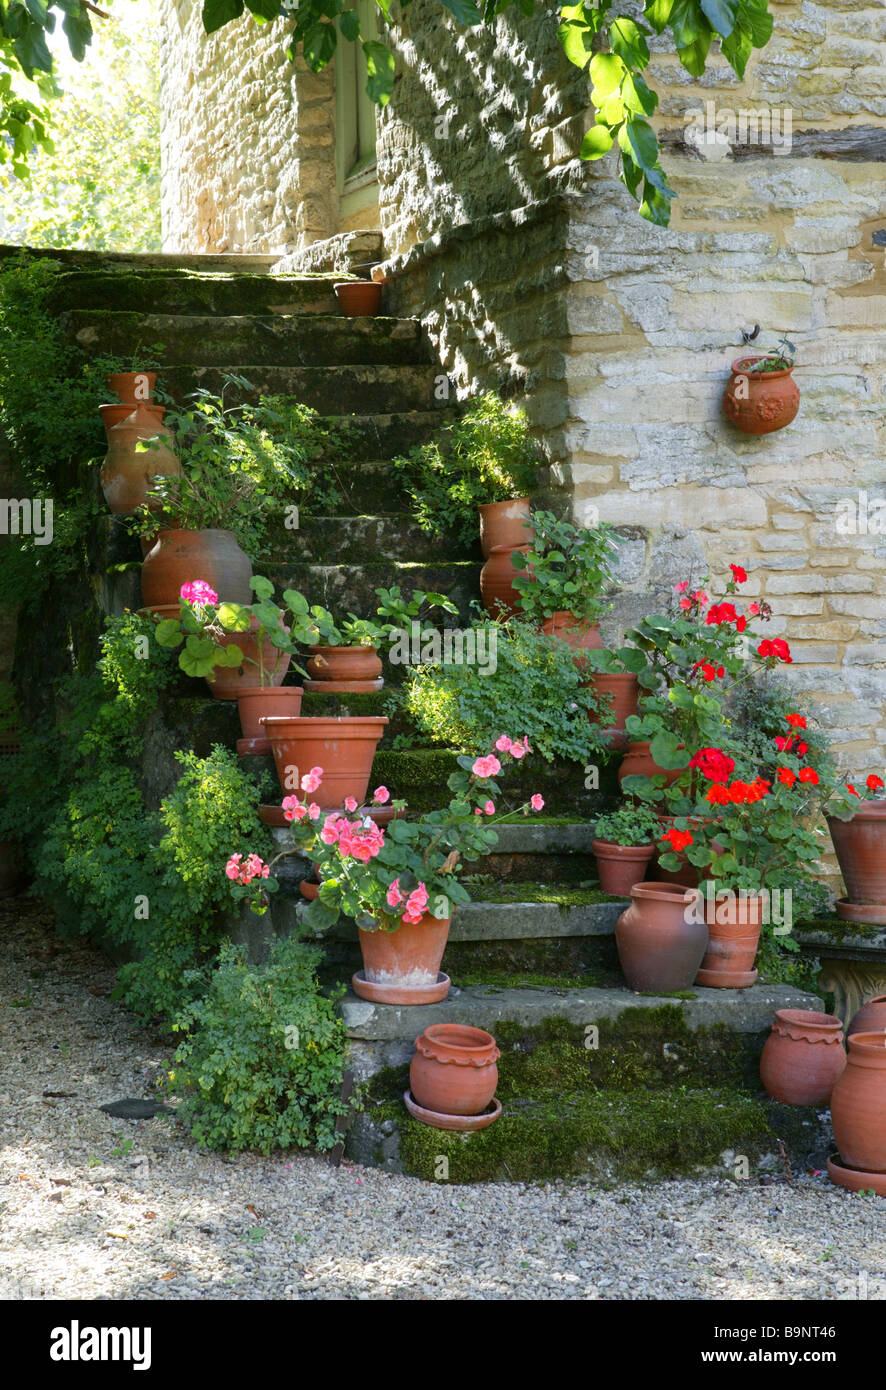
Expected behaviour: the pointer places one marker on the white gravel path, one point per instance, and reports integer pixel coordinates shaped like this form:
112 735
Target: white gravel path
92 1207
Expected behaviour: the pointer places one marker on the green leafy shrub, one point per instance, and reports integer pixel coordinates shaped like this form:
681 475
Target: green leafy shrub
566 569
629 825
261 1065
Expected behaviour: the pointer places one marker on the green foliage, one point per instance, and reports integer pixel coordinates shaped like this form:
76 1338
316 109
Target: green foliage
535 689
261 1065
488 455
566 569
629 825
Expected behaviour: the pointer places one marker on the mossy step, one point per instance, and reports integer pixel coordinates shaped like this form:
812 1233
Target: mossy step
297 340
330 390
393 536
841 940
348 587
417 775
144 290
374 437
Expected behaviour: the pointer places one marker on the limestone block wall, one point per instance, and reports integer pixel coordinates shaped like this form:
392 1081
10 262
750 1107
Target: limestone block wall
247 138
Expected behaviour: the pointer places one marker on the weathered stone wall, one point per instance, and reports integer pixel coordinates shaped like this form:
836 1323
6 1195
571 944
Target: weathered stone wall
247 138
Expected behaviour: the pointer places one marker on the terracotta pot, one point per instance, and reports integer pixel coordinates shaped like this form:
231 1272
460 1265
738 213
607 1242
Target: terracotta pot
624 689
115 414
497 581
860 844
688 876
639 761
359 298
503 524
253 702
133 388
579 635
659 945
760 402
343 747
870 1018
454 1069
858 1104
10 867
619 867
231 681
734 924
802 1057
401 966
181 556
350 669
127 473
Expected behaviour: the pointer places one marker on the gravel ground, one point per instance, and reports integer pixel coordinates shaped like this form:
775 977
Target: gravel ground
93 1207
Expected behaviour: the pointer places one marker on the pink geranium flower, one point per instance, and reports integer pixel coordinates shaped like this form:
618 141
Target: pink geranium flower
232 868
394 897
489 808
681 587
537 802
381 795
311 780
314 812
350 803
503 743
198 593
486 767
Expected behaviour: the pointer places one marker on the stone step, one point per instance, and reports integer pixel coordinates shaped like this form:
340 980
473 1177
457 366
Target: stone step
339 391
148 290
381 436
390 536
350 588
296 340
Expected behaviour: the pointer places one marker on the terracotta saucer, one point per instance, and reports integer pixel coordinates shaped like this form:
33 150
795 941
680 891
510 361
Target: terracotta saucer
391 994
465 1123
256 747
726 979
874 914
344 687
855 1179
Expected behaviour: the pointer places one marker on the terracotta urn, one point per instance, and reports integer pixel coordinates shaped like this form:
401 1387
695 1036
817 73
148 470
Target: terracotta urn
133 388
734 923
253 703
760 402
858 1104
497 581
661 938
579 635
344 669
343 747
454 1069
860 844
870 1018
619 867
177 557
403 966
230 682
504 524
638 761
359 298
803 1057
623 691
127 471
114 414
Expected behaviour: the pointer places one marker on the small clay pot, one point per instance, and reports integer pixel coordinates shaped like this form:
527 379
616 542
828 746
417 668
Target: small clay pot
858 1104
178 557
734 924
454 1069
803 1057
359 298
661 938
497 581
253 702
624 690
504 523
870 1018
343 747
403 966
860 844
344 669
133 388
619 867
760 402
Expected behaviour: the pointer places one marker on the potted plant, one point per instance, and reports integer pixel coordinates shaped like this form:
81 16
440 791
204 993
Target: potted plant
401 883
761 394
561 577
857 822
614 677
624 844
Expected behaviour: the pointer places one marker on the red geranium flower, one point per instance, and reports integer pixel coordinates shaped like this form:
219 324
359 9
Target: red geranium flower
721 613
850 788
718 795
713 764
775 647
796 721
808 774
786 776
678 839
738 574
874 782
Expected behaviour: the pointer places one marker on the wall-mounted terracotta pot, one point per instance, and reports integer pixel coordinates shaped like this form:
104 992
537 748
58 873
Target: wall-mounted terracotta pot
359 298
403 966
127 472
661 938
454 1069
344 669
231 681
133 388
870 1018
858 1104
802 1057
734 925
624 690
497 581
619 867
343 747
638 761
503 523
178 557
860 844
254 702
760 402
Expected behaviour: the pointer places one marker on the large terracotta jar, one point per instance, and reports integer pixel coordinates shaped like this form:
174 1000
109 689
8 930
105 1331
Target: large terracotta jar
497 581
858 1104
870 1018
860 844
579 635
619 867
177 557
127 472
803 1057
760 402
254 703
343 747
230 682
344 669
623 689
403 966
661 938
504 524
639 761
734 924
454 1069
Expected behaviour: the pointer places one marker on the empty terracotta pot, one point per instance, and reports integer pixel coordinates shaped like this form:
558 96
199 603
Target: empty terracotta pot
253 702
619 867
638 761
661 938
127 472
454 1069
870 1018
860 844
344 669
503 523
178 557
132 387
231 681
760 402
858 1104
359 298
401 966
623 689
802 1057
343 747
734 924
497 581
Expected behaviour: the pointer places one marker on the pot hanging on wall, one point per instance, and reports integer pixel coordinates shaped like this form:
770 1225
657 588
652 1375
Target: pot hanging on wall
803 1057
760 402
178 557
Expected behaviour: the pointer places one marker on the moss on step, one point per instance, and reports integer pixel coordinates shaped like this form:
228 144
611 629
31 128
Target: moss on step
582 894
419 774
837 929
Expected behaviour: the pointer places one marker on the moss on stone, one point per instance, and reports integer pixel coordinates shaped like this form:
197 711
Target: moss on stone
583 894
